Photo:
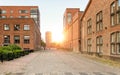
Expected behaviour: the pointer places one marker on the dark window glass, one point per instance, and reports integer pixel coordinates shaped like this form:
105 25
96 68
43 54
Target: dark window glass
99 21
89 45
16 39
6 39
115 43
99 44
26 39
89 26
16 27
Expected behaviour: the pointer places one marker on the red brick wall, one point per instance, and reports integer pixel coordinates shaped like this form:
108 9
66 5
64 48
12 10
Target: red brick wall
15 10
72 30
91 11
34 39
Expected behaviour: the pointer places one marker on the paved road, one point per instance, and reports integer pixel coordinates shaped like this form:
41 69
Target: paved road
54 62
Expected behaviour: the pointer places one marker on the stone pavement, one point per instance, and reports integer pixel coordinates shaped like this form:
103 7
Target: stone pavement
16 65
56 62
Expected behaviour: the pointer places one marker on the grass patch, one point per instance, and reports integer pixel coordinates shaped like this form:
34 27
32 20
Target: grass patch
104 61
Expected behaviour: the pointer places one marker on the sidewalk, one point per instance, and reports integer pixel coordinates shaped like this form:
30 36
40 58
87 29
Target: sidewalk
17 65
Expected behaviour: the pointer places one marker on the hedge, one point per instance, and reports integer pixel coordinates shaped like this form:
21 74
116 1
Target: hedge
11 52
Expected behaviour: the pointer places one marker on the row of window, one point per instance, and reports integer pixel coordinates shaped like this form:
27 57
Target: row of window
31 16
115 18
17 39
16 27
115 43
32 11
99 23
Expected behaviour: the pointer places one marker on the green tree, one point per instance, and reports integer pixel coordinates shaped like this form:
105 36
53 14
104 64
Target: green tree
43 44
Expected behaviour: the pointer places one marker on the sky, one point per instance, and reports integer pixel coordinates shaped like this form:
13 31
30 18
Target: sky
51 12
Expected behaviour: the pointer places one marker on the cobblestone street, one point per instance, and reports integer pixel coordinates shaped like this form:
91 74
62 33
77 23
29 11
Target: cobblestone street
55 62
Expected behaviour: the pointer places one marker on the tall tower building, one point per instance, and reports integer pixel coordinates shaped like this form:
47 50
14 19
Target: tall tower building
48 39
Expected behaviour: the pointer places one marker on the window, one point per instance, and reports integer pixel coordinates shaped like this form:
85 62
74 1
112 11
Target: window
3 12
3 16
118 12
6 39
89 26
99 21
115 13
26 39
115 43
16 39
26 27
11 16
34 11
23 11
118 42
89 45
69 17
99 44
64 21
16 27
23 17
35 17
6 27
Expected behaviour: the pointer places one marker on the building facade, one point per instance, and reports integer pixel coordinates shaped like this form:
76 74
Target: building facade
72 29
20 12
101 28
20 25
48 38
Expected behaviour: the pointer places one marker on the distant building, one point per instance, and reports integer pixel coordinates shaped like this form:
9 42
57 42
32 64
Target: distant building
20 25
48 37
72 29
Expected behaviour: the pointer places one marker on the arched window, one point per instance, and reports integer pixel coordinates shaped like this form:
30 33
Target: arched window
89 26
69 17
99 44
115 43
89 45
113 13
99 21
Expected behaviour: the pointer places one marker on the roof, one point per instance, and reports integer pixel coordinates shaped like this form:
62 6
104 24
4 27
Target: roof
86 9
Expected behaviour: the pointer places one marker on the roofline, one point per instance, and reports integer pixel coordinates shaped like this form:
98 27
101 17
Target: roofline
19 6
70 9
86 9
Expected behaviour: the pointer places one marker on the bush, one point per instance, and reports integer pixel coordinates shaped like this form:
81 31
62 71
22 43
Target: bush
11 52
14 47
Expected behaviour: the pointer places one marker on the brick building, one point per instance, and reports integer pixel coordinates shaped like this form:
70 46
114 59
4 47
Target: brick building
48 38
72 29
101 28
20 25
96 31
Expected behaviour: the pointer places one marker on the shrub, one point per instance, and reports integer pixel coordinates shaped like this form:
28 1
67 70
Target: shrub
12 51
14 47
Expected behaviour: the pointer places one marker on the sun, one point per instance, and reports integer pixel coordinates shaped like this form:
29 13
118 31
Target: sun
57 36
